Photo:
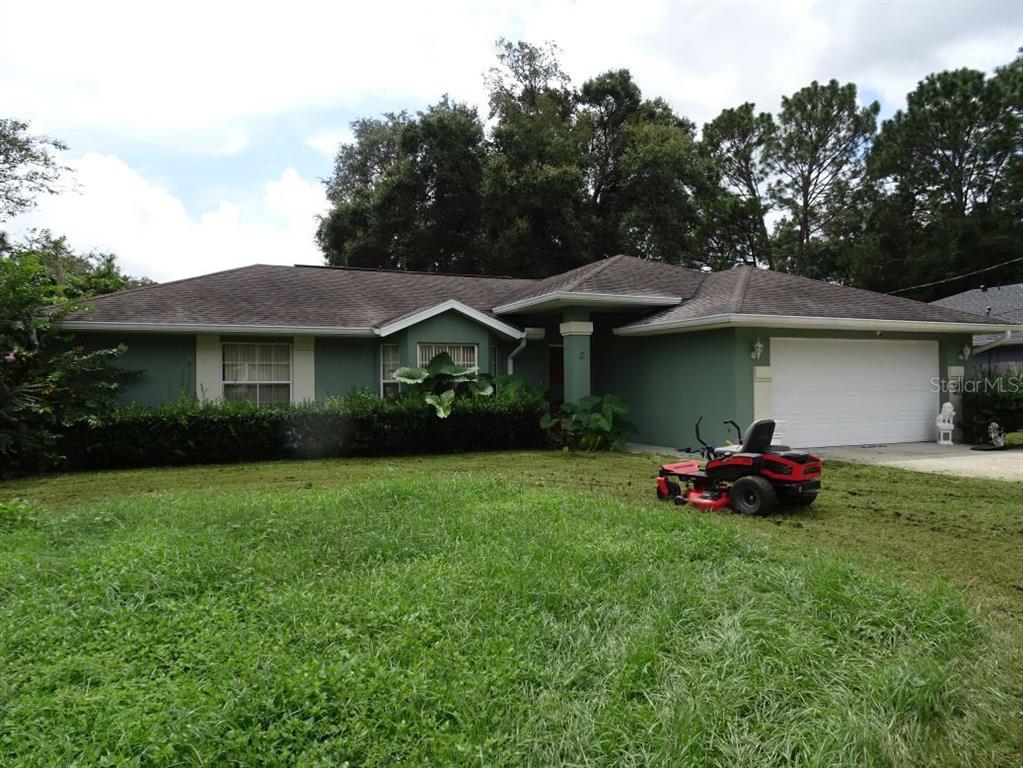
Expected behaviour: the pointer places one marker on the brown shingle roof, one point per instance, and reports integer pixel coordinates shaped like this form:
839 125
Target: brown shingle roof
338 297
296 296
752 291
618 275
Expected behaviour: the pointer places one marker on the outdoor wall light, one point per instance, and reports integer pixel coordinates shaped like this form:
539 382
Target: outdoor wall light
966 351
758 350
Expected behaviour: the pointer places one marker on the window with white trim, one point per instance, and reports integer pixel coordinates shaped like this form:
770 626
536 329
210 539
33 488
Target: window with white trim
256 372
390 361
461 354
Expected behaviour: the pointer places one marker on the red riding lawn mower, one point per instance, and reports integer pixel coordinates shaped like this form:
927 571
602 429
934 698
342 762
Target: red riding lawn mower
751 477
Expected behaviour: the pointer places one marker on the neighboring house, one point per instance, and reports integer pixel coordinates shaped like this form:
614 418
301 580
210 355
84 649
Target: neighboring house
997 352
834 365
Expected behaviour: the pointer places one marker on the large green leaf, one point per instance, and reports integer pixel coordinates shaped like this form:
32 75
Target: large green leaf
443 365
411 375
616 405
443 403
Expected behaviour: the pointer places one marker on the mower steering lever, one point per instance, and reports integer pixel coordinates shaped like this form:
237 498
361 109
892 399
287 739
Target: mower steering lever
706 450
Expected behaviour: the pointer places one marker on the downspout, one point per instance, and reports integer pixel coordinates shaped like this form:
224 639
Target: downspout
529 333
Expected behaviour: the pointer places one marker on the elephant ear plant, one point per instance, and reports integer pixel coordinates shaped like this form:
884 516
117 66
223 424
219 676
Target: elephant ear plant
593 424
441 381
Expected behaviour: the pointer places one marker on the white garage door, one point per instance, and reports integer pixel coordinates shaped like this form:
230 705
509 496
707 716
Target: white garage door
852 392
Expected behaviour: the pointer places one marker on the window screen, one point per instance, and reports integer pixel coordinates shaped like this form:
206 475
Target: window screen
461 354
257 373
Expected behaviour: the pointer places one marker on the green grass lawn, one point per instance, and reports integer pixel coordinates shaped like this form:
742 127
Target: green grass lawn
505 609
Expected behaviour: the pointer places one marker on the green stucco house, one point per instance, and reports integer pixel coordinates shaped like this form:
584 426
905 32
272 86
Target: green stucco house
833 365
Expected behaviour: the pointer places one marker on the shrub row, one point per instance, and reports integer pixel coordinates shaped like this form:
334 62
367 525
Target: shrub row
360 424
992 397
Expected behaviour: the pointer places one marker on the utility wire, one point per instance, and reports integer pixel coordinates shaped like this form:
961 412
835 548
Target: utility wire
957 277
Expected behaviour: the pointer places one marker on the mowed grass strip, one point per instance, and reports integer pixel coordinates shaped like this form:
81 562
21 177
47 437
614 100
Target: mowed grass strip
465 622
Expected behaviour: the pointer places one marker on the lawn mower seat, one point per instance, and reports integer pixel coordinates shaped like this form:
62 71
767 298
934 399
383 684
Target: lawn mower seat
757 439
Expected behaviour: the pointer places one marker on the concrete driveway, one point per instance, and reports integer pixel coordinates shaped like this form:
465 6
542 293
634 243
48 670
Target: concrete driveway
931 457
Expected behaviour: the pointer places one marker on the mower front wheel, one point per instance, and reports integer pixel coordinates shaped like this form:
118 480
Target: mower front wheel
753 495
668 490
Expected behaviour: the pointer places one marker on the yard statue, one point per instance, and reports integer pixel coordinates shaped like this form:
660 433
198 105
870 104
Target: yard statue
997 434
945 424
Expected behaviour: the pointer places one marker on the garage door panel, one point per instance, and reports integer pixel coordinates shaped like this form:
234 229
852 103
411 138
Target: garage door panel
848 392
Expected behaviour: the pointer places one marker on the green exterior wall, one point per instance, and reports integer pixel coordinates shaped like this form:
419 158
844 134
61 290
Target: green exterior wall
346 364
531 364
167 362
669 382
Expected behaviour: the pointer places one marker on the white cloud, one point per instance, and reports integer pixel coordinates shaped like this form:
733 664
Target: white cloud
193 74
117 209
328 143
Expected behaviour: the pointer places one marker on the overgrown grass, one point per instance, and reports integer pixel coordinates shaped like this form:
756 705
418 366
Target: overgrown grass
461 620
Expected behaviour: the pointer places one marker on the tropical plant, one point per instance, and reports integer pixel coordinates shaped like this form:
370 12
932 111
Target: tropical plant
593 424
441 381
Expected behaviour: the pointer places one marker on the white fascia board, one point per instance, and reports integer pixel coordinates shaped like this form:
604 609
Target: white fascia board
448 306
266 330
558 299
809 323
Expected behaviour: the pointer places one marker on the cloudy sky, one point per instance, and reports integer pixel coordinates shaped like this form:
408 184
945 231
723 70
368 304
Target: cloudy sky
199 131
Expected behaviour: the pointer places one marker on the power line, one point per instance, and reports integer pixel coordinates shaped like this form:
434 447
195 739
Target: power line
957 277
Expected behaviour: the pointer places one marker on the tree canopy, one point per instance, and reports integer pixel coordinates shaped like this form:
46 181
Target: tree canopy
28 167
557 176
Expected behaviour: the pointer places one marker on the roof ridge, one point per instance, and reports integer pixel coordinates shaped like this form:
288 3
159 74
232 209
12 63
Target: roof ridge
599 267
738 297
387 270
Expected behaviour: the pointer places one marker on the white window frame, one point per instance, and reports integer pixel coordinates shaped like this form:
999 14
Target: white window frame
437 347
291 368
383 372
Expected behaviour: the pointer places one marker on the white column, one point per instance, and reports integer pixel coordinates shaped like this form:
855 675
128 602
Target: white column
208 368
303 370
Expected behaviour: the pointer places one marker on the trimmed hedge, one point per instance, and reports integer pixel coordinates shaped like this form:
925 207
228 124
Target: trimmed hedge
991 397
360 424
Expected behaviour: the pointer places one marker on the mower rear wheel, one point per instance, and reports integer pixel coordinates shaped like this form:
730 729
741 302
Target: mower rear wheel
753 495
